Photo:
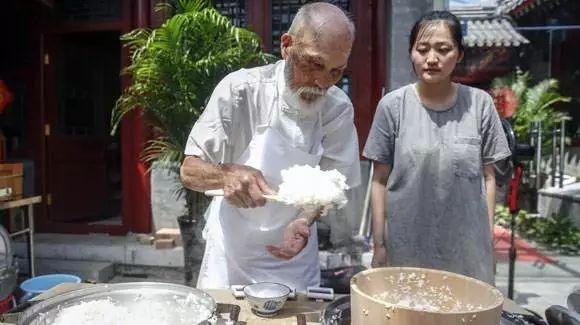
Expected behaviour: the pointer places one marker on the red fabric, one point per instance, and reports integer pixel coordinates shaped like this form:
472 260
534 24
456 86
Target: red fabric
513 195
6 96
525 252
6 304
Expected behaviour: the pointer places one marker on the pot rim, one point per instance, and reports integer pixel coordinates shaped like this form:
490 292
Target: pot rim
287 288
32 312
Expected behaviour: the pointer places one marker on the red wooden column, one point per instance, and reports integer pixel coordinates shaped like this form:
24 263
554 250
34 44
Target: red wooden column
136 185
260 21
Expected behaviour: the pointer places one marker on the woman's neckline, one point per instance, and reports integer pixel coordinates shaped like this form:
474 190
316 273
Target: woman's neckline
442 109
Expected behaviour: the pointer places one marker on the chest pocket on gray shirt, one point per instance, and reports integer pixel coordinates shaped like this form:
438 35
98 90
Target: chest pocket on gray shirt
467 156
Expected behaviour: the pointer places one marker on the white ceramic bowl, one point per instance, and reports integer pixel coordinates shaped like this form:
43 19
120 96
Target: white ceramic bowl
266 298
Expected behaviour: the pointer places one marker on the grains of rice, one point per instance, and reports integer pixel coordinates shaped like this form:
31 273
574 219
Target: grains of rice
311 188
140 311
416 292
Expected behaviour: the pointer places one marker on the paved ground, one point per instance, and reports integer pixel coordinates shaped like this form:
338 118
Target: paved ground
538 286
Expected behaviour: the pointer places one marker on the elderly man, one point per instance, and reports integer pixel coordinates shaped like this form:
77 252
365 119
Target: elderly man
258 122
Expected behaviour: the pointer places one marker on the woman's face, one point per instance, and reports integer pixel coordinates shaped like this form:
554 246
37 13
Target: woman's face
435 54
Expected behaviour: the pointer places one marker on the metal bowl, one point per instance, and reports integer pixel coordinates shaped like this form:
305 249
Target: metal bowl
177 298
8 268
266 298
6 252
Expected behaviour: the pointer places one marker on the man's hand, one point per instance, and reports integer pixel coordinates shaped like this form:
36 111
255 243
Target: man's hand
295 239
379 256
244 186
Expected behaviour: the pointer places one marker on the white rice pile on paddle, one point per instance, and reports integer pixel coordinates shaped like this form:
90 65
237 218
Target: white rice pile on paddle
311 188
141 311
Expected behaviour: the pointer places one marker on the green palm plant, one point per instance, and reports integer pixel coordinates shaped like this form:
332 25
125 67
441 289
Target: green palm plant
174 69
535 103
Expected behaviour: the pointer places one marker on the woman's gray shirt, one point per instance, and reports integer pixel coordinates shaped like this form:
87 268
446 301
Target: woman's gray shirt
436 200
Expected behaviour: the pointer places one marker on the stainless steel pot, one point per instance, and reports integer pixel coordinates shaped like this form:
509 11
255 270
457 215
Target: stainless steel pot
8 281
6 253
8 271
121 294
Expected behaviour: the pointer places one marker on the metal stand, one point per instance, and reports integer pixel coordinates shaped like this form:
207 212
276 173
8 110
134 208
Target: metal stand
513 207
536 141
558 153
28 203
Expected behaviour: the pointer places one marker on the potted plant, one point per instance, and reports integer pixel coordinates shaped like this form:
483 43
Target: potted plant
522 103
533 103
174 69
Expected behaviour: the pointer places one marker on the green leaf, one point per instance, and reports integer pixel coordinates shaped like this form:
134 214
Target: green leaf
174 69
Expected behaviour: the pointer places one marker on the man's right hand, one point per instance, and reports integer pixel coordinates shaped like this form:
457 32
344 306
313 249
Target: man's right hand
379 256
244 186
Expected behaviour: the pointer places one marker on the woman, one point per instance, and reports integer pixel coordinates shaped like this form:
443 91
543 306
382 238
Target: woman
433 144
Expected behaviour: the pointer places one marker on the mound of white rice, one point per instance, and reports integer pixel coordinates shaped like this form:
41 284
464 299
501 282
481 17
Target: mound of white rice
311 188
141 311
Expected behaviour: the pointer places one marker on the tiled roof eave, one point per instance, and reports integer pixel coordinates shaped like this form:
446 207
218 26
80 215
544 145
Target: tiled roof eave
492 32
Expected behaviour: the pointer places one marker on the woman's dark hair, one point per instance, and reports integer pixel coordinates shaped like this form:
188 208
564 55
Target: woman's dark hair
434 17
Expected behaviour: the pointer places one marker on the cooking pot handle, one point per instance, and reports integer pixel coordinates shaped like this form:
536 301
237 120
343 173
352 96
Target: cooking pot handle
233 312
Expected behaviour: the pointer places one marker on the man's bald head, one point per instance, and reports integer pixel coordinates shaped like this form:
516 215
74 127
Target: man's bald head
321 21
316 49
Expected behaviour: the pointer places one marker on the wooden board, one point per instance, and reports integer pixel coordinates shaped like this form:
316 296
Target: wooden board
12 177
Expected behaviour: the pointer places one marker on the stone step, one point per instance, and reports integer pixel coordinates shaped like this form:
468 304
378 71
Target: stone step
127 251
93 271
563 201
101 248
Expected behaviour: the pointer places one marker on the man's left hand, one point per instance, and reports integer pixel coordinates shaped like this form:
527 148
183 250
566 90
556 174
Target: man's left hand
295 239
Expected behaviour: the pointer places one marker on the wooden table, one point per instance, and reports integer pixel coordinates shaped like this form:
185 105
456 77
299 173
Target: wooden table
301 305
29 203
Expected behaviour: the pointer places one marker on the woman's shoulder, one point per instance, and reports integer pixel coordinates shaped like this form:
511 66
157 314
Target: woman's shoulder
393 100
477 95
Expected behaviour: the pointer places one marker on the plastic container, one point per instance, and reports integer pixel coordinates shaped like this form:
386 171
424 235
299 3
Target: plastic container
40 284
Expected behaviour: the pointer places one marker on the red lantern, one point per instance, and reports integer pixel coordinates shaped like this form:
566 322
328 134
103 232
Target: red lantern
506 101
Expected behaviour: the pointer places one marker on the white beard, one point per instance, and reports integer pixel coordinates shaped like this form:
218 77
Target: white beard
303 107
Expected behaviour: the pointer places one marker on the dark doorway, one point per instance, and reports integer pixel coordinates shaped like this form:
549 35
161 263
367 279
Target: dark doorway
83 161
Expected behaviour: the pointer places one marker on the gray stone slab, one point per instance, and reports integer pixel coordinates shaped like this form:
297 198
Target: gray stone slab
133 273
148 255
86 270
103 248
563 201
166 205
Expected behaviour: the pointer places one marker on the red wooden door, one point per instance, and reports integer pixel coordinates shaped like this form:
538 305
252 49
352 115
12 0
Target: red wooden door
81 78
